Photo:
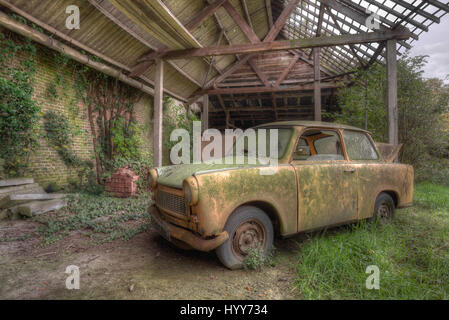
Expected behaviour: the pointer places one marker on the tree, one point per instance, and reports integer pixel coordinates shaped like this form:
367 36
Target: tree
421 105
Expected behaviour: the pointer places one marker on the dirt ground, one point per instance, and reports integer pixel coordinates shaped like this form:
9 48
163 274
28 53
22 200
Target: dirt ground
145 267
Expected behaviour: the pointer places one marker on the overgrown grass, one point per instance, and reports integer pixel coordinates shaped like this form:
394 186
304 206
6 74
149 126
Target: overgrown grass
100 217
412 253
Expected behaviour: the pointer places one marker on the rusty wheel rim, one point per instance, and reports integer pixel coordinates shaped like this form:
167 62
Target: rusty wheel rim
249 234
384 212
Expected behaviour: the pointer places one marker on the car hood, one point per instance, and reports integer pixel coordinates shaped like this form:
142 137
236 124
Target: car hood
173 176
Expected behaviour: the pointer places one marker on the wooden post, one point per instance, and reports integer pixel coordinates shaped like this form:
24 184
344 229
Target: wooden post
392 93
317 84
205 114
158 102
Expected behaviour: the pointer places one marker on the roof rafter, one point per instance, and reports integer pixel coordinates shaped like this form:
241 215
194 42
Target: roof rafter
323 41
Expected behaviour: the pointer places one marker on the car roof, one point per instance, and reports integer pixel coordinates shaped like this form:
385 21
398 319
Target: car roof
309 124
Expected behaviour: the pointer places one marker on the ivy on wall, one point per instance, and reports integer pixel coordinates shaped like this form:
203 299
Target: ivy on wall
19 114
60 137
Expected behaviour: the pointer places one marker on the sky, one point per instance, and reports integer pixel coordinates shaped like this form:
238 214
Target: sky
435 44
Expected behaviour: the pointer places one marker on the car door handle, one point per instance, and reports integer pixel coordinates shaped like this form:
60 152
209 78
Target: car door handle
349 170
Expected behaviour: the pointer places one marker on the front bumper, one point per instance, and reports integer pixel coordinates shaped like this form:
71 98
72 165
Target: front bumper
170 231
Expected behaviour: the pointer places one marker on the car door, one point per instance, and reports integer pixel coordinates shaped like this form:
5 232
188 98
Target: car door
327 182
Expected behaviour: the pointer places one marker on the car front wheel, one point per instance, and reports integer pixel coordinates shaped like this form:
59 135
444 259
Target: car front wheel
248 227
383 208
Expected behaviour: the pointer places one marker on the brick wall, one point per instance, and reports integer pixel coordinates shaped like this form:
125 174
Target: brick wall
45 165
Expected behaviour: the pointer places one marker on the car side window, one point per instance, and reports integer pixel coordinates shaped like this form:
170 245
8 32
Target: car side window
359 146
302 151
322 145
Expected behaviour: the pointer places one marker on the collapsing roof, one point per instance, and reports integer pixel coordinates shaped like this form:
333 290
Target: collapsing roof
225 47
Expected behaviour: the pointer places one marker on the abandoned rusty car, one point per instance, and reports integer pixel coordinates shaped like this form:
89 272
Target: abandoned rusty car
327 175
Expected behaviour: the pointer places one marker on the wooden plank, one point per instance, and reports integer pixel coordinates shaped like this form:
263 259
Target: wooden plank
158 104
316 84
16 182
323 41
208 11
392 93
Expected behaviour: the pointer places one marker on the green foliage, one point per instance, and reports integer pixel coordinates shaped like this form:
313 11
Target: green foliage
19 113
59 136
101 218
412 254
421 104
175 117
256 260
118 139
61 61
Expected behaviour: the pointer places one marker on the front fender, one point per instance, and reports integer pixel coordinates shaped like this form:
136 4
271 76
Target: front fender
221 192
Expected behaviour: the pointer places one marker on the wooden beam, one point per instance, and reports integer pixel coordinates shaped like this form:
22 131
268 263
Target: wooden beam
316 84
248 17
320 20
212 62
323 41
56 45
272 34
305 86
280 22
205 114
359 17
329 12
208 11
136 36
259 73
439 5
392 93
269 12
158 107
243 25
286 70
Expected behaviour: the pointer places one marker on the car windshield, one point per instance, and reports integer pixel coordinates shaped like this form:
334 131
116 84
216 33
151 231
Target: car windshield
263 142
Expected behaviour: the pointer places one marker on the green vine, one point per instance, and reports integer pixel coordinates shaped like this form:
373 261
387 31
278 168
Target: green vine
61 61
60 137
19 113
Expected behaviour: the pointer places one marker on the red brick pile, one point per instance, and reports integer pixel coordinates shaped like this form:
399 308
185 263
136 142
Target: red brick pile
122 184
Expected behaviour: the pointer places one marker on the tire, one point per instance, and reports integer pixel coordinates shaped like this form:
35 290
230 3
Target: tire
247 226
383 208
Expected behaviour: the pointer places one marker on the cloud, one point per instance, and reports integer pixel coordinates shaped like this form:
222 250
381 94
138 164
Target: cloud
435 44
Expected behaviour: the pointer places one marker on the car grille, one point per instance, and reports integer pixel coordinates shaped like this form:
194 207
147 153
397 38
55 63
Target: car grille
171 202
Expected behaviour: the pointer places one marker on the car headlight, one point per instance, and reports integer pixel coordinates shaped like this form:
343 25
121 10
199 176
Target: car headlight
153 178
190 188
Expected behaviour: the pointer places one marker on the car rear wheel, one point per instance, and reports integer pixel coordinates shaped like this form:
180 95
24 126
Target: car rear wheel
383 208
248 227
